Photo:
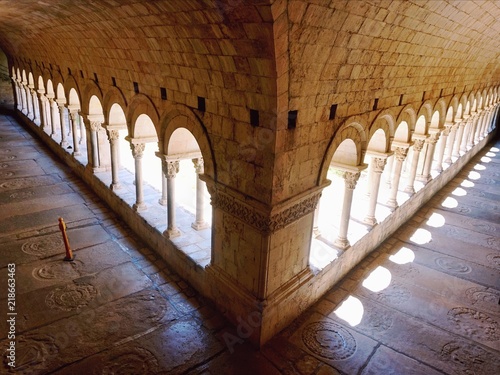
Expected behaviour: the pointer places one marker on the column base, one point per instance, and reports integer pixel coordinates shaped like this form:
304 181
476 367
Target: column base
424 179
316 232
162 201
115 186
64 144
172 233
139 207
342 243
392 204
370 221
77 153
199 226
409 190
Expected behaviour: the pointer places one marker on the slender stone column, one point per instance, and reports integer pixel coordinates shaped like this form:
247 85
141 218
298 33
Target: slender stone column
486 122
429 156
74 123
350 180
81 123
24 100
388 171
138 152
417 147
36 112
29 102
460 135
399 157
53 116
442 147
465 137
316 231
18 99
113 137
377 166
42 100
95 126
200 190
472 132
171 168
64 143
450 144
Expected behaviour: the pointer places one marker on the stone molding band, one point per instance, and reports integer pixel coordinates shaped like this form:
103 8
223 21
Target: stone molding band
267 223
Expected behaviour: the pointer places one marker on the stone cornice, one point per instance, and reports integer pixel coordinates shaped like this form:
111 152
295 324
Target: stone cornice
271 220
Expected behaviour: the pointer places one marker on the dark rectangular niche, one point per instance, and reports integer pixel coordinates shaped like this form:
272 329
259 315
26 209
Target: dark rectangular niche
375 104
201 104
136 87
400 99
292 119
69 71
81 73
95 78
163 92
333 111
254 117
113 81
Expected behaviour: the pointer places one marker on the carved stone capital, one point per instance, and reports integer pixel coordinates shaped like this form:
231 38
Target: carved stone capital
400 153
198 165
113 135
350 179
95 126
433 138
418 145
137 149
378 164
170 168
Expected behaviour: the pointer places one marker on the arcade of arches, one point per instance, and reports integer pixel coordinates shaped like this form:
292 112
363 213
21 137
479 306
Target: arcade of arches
262 148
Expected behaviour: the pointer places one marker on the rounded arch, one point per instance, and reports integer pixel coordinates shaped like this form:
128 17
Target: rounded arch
73 99
182 117
94 107
352 130
31 80
113 98
425 112
452 109
70 85
41 84
471 104
141 105
437 122
90 90
380 133
409 115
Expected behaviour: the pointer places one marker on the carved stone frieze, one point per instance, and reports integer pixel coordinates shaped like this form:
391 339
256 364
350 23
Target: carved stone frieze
267 223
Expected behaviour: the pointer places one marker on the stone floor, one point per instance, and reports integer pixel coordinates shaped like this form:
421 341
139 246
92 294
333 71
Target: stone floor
425 302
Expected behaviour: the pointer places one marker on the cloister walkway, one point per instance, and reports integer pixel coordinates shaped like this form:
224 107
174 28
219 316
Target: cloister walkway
424 302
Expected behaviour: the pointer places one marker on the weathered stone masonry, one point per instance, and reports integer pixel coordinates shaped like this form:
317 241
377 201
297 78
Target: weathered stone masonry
267 99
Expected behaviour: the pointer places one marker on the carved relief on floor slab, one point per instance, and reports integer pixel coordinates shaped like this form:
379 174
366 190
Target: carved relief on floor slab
28 182
71 296
470 359
44 246
57 271
129 361
395 294
32 352
453 265
474 323
329 340
483 297
494 260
